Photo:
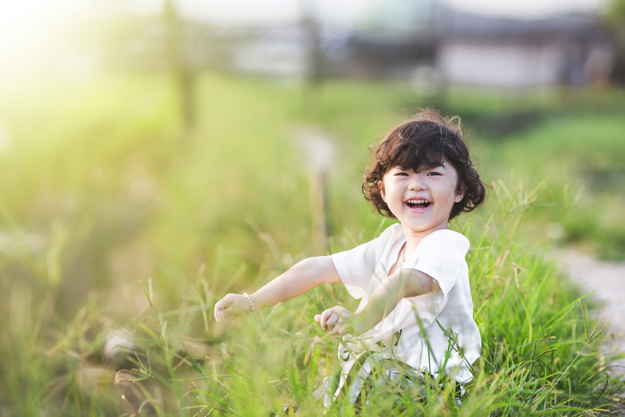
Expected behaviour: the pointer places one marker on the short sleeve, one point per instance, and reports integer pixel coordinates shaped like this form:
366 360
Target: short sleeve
356 267
440 255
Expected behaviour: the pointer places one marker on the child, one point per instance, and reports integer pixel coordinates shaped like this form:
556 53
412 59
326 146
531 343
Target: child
416 309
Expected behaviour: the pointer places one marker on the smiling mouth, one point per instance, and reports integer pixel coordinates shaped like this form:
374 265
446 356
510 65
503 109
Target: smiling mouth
418 203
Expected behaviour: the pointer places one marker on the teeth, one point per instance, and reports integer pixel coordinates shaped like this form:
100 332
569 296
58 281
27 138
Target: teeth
417 201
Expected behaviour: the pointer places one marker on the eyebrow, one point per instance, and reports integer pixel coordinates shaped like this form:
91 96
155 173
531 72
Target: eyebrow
443 166
400 168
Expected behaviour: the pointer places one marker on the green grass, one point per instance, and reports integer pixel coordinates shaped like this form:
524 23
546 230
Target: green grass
111 219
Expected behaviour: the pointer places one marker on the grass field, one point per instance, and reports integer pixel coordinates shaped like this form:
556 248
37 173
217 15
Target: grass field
117 225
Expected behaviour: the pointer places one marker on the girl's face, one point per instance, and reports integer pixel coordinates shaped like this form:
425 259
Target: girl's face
421 201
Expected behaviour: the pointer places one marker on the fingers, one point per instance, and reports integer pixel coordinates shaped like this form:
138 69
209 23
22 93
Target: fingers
340 329
225 316
224 309
324 317
219 310
334 319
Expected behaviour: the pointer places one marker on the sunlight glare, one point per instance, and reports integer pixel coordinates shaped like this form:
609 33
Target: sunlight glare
34 33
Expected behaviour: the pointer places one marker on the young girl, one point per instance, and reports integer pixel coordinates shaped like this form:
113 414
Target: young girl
416 311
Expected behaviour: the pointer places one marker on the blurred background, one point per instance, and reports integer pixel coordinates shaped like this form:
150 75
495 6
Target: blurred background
164 152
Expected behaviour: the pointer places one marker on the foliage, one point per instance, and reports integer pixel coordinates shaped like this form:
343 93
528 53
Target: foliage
115 226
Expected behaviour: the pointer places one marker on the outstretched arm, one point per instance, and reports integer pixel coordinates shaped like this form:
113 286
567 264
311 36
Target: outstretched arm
300 278
402 284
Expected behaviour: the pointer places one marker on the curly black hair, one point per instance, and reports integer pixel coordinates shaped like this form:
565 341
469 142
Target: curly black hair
424 141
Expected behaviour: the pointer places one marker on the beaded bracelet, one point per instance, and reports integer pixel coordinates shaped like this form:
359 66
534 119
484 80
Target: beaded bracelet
249 300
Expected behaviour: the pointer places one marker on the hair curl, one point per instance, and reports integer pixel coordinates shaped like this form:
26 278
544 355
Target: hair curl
424 141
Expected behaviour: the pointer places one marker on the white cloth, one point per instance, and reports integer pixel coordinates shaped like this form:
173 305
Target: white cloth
416 322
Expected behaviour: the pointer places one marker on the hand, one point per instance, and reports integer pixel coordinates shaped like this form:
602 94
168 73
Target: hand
337 319
231 306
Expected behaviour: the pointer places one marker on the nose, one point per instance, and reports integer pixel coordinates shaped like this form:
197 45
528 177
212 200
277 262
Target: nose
417 182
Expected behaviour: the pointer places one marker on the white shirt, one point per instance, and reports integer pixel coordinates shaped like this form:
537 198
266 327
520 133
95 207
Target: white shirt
441 255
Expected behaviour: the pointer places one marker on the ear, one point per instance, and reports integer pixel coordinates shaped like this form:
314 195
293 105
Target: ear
459 195
382 192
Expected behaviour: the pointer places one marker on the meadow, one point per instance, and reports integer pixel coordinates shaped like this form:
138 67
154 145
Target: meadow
119 230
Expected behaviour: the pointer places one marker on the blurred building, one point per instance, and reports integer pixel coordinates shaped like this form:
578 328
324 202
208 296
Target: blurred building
394 39
570 49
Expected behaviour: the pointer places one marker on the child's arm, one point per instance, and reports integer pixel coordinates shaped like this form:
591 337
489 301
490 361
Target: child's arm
300 278
402 284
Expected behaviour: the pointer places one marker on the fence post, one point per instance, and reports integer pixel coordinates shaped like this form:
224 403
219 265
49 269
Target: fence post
318 149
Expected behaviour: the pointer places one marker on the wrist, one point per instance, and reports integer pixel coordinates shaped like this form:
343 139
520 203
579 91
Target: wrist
359 326
250 302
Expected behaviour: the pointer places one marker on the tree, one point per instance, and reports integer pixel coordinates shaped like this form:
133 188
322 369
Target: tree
614 18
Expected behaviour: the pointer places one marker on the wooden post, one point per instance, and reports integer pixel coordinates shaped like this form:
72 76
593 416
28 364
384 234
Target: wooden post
318 198
312 86
310 27
318 150
182 73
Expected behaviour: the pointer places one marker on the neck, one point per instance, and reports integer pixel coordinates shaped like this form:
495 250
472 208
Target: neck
413 240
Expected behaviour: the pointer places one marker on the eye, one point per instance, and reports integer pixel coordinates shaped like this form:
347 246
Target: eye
400 173
434 173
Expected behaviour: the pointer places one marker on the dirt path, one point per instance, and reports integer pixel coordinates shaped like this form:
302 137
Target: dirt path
607 281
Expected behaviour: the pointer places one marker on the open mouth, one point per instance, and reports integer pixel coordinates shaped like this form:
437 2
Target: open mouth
418 203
